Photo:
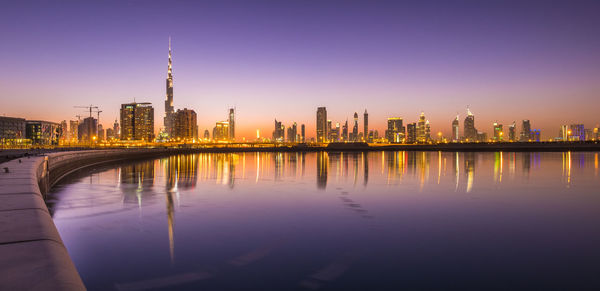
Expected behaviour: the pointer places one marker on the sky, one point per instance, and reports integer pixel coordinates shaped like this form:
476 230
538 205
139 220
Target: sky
506 60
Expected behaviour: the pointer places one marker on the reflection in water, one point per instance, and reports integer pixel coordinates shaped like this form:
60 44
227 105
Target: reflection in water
136 181
469 169
322 168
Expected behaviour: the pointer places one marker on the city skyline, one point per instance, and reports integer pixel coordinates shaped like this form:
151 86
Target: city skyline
546 69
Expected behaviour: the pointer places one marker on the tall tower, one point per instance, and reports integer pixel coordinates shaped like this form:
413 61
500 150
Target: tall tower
455 125
169 111
232 124
366 126
355 128
322 132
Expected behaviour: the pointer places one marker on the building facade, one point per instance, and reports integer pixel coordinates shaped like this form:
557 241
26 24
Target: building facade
186 125
12 130
137 121
42 132
322 133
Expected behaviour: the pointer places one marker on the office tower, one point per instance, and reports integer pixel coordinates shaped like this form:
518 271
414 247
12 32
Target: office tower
42 132
536 135
421 128
455 135
185 125
12 130
470 131
221 131
411 133
87 130
322 124
329 131
303 133
337 132
137 121
577 132
292 133
589 134
116 129
563 133
64 132
355 128
525 131
512 132
100 132
74 131
206 134
395 130
498 132
376 134
279 131
110 134
345 131
231 124
366 126
427 131
169 110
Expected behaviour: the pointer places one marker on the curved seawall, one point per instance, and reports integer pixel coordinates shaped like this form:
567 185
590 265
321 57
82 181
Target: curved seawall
33 254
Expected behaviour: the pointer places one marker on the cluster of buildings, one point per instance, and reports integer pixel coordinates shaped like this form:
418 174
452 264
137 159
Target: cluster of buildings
327 133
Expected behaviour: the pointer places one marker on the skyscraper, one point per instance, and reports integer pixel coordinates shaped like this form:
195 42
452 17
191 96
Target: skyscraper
455 135
87 130
345 131
322 124
498 133
292 133
366 126
303 133
279 131
470 131
395 130
421 128
116 129
512 129
221 131
411 132
355 128
525 131
74 130
169 110
186 125
232 124
137 121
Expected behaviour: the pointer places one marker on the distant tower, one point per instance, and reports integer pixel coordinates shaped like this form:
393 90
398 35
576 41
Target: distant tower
366 126
232 124
322 124
455 125
303 133
169 111
470 132
355 128
421 132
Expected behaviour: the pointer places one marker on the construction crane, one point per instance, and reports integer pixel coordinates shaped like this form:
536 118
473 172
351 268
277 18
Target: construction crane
98 121
88 107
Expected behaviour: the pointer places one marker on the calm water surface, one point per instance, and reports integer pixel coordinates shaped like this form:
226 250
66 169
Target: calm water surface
337 221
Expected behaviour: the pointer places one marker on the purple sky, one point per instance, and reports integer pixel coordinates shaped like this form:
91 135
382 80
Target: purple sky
508 60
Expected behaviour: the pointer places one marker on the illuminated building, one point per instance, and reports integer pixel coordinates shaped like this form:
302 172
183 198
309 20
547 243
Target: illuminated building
321 125
186 125
116 129
169 110
64 132
74 130
354 136
12 130
231 120
279 131
87 130
470 131
563 133
525 130
427 131
137 121
292 133
498 132
366 126
455 135
345 131
411 133
512 132
395 130
577 132
110 134
303 133
329 131
221 131
42 132
536 135
206 134
421 136
100 132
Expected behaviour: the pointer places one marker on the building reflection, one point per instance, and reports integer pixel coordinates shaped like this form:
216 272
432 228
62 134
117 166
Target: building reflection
181 171
322 168
365 158
224 166
469 169
396 165
137 181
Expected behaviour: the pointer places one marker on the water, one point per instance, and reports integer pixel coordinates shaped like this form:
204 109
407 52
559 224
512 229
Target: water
337 221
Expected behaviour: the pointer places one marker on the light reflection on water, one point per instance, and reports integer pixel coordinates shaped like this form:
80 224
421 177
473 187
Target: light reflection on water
364 220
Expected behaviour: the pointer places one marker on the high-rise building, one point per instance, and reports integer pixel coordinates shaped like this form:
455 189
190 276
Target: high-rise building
411 133
100 132
87 131
421 128
536 135
470 131
355 128
74 131
231 120
525 131
303 133
292 133
498 133
206 134
64 132
169 109
12 130
455 125
563 133
186 125
345 131
221 131
512 132
366 126
322 133
116 129
110 134
395 130
329 131
279 132
577 132
42 132
137 121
